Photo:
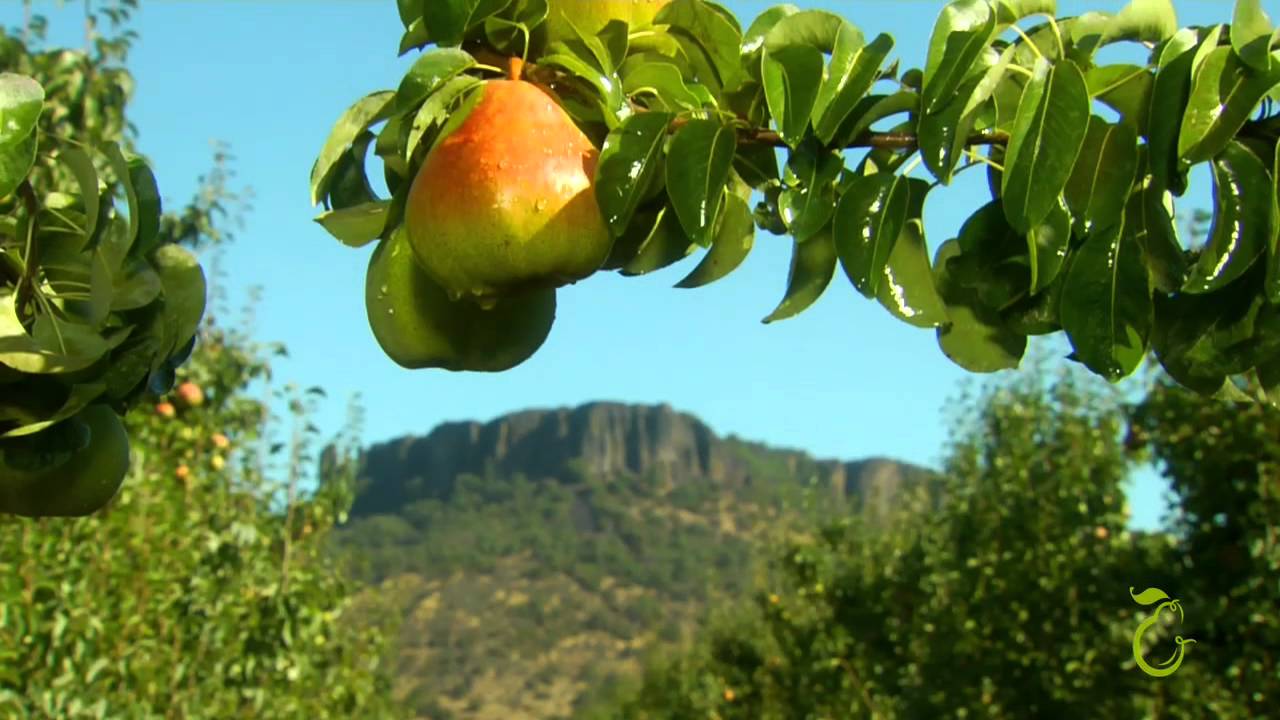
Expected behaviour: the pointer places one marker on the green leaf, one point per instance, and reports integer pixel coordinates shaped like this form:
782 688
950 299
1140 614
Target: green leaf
357 225
664 81
349 183
1125 89
1150 21
136 285
960 36
698 23
415 36
429 73
54 346
1047 245
120 166
907 290
1242 220
631 155
365 112
611 99
732 243
1223 94
21 101
1148 596
873 109
813 264
663 245
754 39
944 133
994 259
1009 12
850 76
1106 306
1169 94
436 109
869 219
148 212
184 294
974 336
792 78
699 159
80 396
1050 128
1103 175
82 168
15 162
447 21
1149 222
809 202
1251 33
1272 281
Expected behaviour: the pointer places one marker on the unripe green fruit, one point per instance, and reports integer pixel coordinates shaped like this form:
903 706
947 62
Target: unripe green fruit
418 326
590 16
506 203
70 469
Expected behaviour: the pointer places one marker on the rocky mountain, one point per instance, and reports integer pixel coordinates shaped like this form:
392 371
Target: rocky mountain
603 440
531 561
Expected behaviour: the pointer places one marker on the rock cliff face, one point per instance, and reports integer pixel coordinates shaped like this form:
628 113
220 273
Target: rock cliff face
600 439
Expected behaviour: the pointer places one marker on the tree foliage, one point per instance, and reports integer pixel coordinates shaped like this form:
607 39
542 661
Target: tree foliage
1084 159
1010 598
205 589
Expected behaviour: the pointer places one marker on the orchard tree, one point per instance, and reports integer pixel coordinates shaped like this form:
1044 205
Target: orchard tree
535 142
98 303
205 589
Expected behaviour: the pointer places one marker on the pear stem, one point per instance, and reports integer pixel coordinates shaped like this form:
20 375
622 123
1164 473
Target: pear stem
515 68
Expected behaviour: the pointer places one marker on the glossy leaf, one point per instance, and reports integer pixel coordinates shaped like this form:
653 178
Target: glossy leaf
663 245
944 133
1106 304
1251 34
663 81
1103 175
436 108
873 109
698 23
1272 280
184 293
974 336
1125 89
699 159
1144 21
365 112
1047 246
1149 221
86 175
120 166
871 215
15 162
429 72
813 264
850 74
907 290
1223 95
357 225
147 194
632 153
753 39
69 348
792 78
1169 95
1242 220
807 206
732 243
1011 11
21 102
1050 128
960 36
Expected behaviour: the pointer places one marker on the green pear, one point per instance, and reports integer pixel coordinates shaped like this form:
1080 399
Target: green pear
506 202
590 16
70 469
418 326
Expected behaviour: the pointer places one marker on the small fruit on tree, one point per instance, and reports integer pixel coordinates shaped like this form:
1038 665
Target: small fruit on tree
182 472
590 16
189 395
166 409
220 441
418 326
71 469
506 203
217 462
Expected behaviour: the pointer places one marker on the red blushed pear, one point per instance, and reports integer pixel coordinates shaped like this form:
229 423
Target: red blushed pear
506 203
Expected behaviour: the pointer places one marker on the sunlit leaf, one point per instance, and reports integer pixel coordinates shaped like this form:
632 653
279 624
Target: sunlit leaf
1106 306
813 264
698 163
631 155
1243 224
732 243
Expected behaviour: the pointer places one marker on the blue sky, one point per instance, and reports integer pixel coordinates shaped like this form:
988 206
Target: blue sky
842 380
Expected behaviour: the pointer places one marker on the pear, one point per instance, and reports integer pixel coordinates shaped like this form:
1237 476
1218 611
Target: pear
590 16
418 326
70 469
506 202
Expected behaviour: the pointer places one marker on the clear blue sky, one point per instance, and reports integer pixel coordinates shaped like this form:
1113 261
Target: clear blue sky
843 380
